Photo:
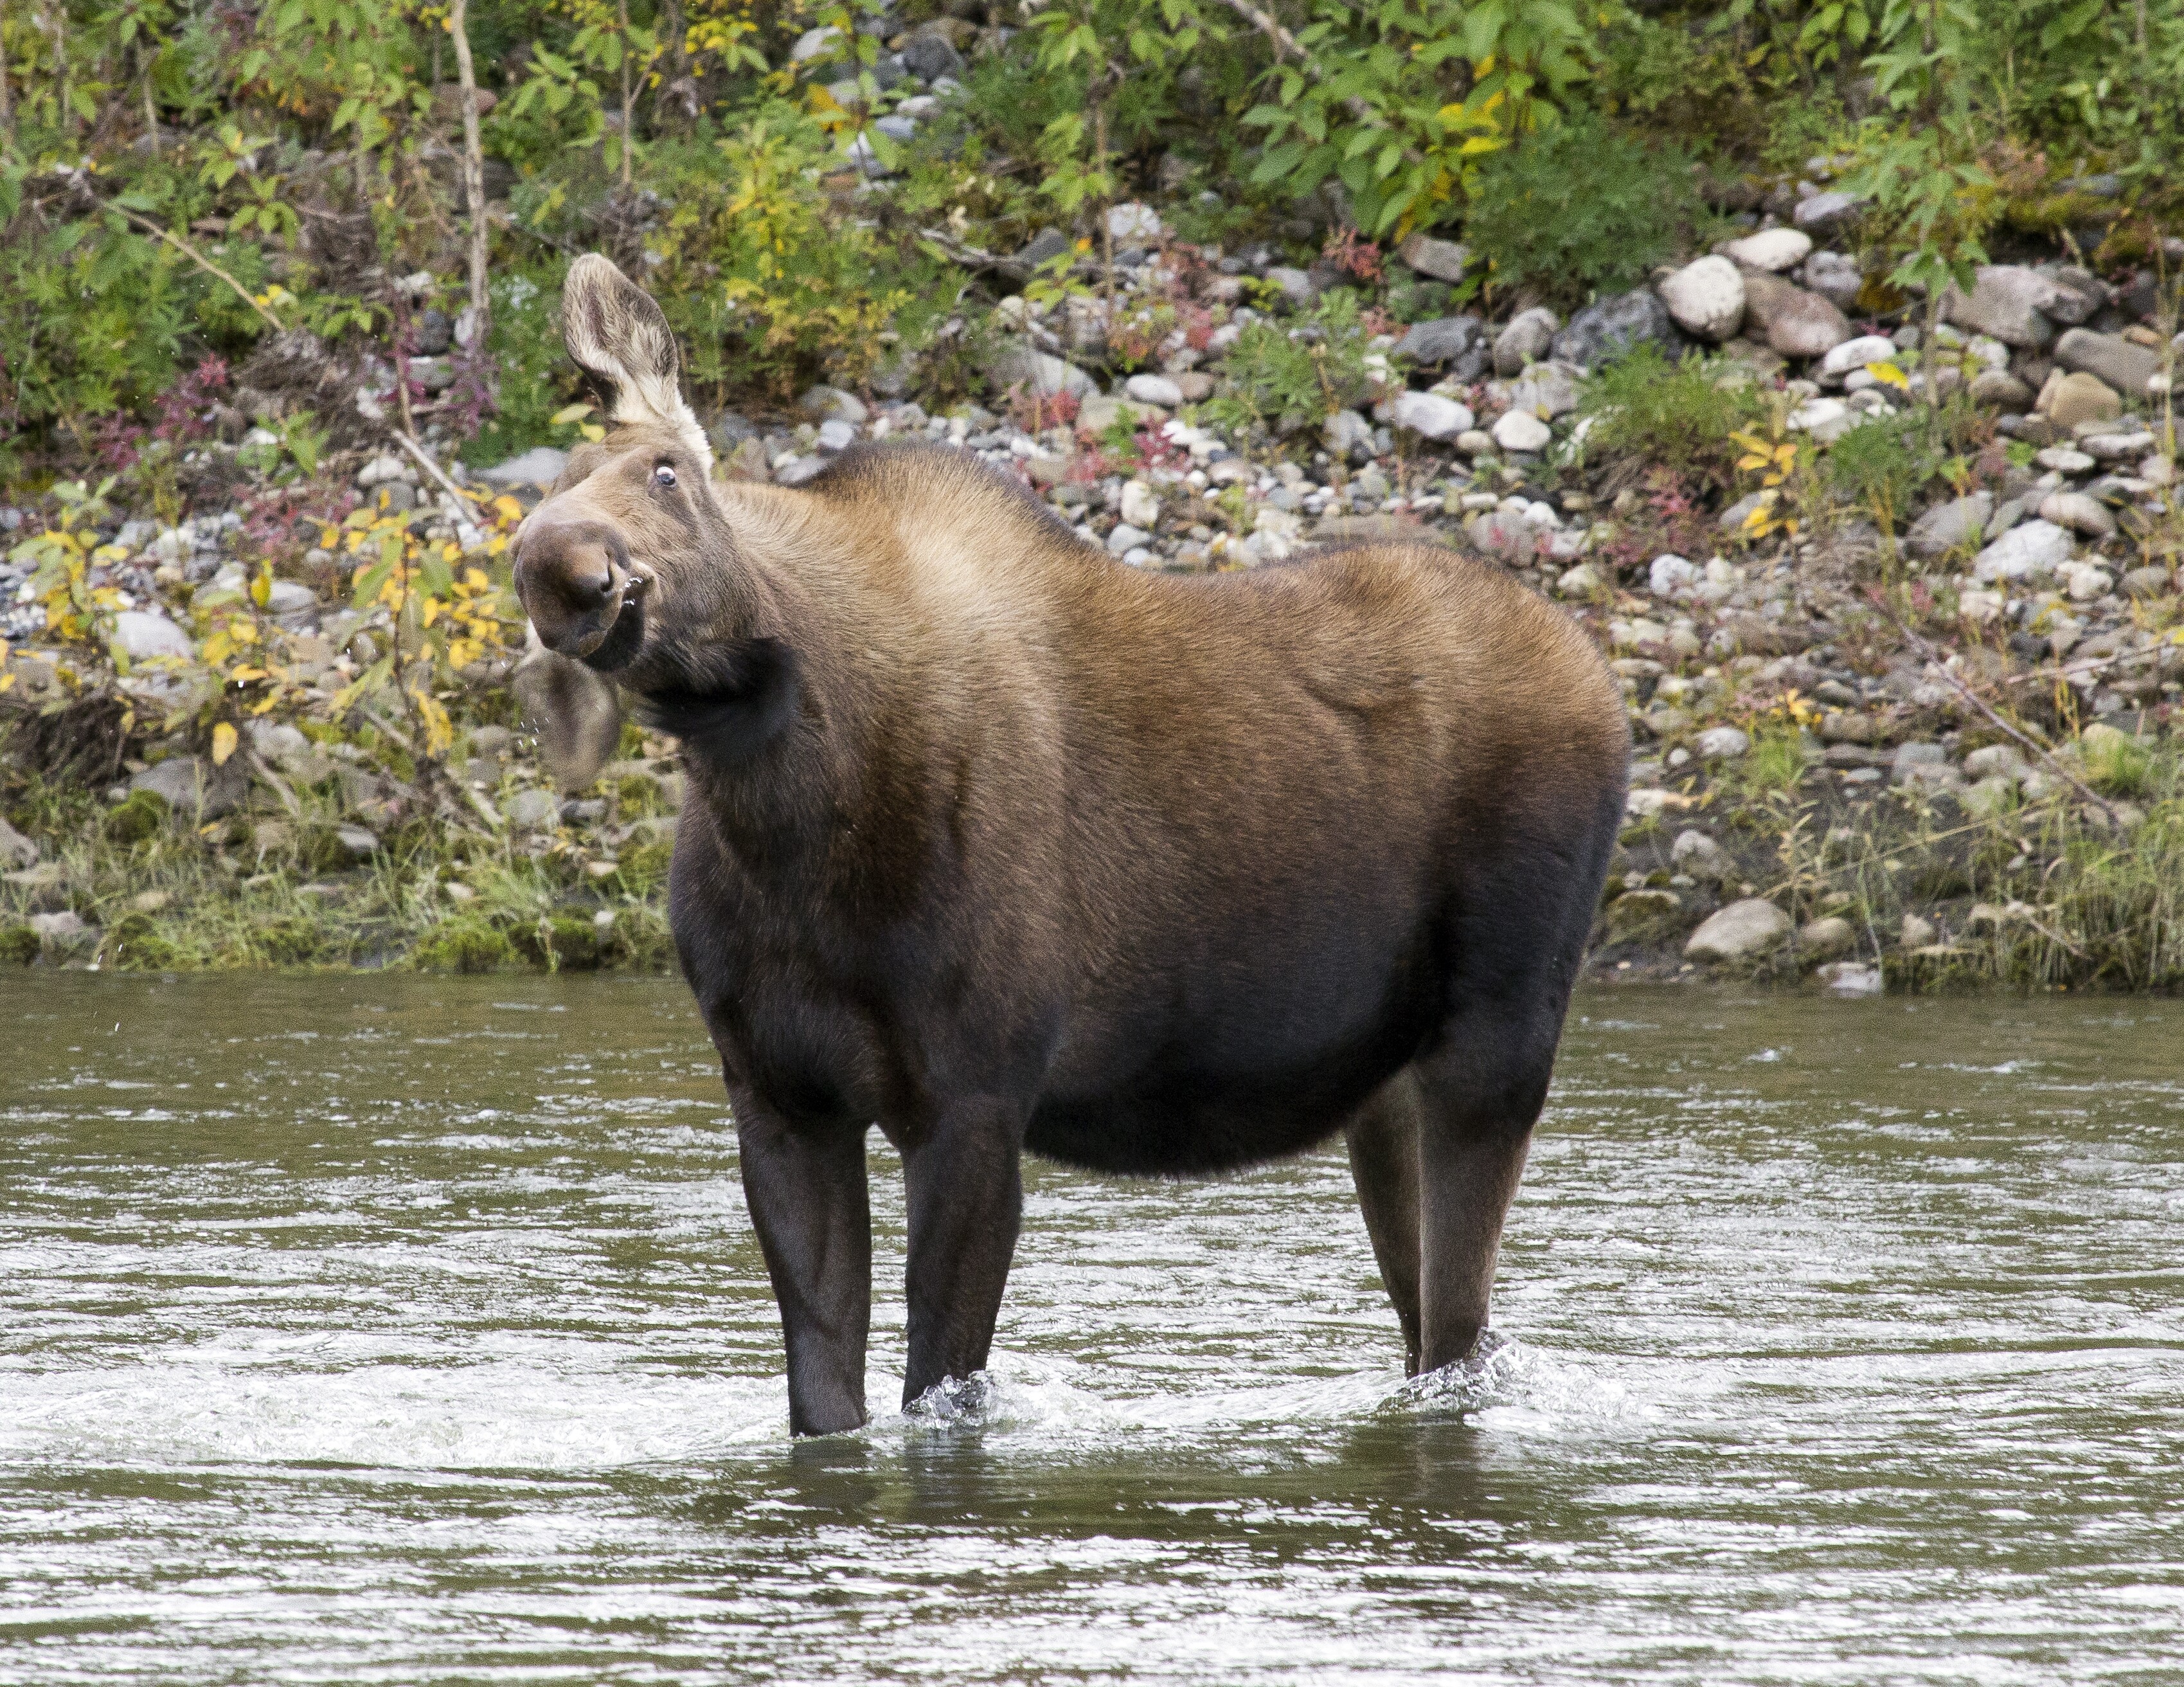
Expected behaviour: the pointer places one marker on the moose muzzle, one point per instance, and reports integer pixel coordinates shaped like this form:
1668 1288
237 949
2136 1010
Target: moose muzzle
571 577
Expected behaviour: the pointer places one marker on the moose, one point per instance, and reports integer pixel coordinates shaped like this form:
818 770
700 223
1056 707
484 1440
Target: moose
1003 845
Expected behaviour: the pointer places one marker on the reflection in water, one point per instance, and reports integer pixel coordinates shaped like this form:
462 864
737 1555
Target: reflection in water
408 1329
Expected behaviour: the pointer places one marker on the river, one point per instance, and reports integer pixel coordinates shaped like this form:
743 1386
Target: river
405 1330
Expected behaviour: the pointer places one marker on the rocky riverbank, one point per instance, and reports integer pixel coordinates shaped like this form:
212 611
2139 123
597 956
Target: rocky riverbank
1893 591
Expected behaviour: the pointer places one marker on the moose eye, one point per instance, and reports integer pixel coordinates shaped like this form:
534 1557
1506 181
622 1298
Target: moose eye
663 473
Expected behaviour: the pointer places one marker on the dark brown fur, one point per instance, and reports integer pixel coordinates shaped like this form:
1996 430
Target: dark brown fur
998 844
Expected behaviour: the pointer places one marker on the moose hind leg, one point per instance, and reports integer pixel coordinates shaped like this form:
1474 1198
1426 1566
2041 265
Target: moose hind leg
1482 1093
1383 1138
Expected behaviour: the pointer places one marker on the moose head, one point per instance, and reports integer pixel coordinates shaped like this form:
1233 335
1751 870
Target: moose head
630 569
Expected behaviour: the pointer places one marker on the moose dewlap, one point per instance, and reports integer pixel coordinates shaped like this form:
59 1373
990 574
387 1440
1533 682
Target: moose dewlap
1000 845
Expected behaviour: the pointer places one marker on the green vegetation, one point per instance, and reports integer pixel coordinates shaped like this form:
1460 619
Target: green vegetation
1680 416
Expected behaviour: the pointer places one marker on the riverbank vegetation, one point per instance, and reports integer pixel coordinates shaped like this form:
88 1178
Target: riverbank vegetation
1817 356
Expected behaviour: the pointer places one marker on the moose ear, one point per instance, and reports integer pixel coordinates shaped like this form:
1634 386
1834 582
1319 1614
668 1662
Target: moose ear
620 338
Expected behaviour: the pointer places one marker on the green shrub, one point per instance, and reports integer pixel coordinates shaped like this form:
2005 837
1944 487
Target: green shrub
1878 467
1295 375
1580 209
19 945
1679 416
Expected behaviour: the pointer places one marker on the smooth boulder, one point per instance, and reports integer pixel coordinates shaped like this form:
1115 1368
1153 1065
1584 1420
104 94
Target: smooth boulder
1741 931
1706 297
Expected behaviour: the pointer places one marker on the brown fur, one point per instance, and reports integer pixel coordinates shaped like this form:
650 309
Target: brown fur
998 843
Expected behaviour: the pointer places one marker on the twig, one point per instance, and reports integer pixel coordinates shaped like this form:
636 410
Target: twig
1286 45
425 460
1933 656
280 788
202 262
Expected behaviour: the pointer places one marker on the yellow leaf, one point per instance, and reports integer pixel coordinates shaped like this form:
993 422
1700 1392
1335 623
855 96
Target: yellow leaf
1889 375
510 509
569 413
592 431
223 744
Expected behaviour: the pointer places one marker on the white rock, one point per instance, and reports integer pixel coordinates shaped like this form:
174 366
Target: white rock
1723 743
2063 460
1154 389
1851 978
540 466
1774 250
1519 430
2023 551
1743 929
1582 581
2085 582
1695 853
1431 417
144 634
1671 575
1133 224
1707 297
1857 354
1141 507
1826 420
1126 538
1038 374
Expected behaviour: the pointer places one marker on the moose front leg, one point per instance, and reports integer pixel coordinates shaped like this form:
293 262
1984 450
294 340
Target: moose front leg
808 1201
964 1182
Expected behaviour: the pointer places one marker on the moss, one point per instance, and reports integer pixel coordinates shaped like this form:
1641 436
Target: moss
466 943
18 946
140 817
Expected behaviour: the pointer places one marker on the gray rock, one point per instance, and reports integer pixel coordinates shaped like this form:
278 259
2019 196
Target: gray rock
1946 526
1154 389
360 844
1443 260
1831 935
1346 433
2113 359
1297 287
1601 333
1824 215
191 786
1446 340
1529 337
929 57
1795 323
532 810
1732 520
144 634
1856 354
540 466
1519 430
2000 390
1741 932
730 429
1773 250
1723 743
1695 853
1126 538
2078 294
2069 401
1706 298
435 333
1431 417
1133 224
2079 513
1546 389
831 404
1835 276
17 852
836 435
2033 548
1048 244
1040 375
2008 301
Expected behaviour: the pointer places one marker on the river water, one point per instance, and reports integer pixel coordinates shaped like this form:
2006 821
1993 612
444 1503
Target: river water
405 1330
